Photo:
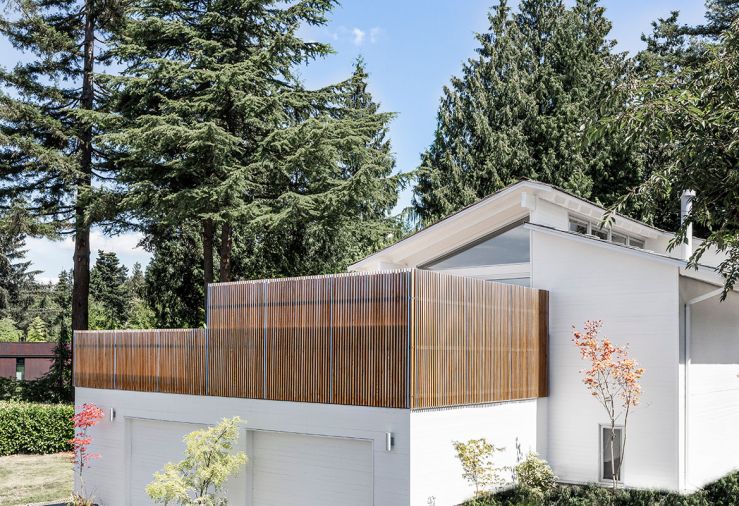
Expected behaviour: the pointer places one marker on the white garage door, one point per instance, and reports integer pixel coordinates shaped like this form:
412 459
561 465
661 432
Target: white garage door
153 444
293 469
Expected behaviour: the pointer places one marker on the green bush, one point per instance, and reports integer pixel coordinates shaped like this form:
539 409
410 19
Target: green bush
35 428
724 492
535 475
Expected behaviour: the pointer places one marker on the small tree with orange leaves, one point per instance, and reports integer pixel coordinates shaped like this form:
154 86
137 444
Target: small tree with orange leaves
613 379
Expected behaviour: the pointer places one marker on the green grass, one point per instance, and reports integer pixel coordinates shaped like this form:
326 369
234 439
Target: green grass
724 492
28 479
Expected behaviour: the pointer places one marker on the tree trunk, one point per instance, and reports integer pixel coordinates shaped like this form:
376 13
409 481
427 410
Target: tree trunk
208 234
613 455
224 253
81 266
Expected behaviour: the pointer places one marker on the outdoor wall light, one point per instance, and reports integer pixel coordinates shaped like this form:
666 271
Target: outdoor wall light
112 414
389 441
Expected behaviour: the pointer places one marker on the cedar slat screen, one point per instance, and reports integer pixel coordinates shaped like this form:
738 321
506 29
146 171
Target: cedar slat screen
402 339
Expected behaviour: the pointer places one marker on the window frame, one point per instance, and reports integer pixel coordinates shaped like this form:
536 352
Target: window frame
469 245
20 368
592 228
601 477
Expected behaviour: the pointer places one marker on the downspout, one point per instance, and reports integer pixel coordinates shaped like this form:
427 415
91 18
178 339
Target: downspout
686 375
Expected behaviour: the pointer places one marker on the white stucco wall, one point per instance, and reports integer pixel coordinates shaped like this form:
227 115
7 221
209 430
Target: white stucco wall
436 474
107 476
713 405
637 299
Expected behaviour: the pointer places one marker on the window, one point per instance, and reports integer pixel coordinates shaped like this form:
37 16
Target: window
20 368
610 460
512 281
507 246
582 226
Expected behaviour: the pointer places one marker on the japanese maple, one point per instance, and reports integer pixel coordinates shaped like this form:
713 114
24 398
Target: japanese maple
88 416
613 379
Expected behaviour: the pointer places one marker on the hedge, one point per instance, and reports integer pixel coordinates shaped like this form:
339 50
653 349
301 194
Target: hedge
724 492
27 427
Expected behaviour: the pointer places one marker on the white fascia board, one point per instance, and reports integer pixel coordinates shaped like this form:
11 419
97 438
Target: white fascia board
707 275
593 241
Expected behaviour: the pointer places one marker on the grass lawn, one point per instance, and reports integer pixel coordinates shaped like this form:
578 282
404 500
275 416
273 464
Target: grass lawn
28 479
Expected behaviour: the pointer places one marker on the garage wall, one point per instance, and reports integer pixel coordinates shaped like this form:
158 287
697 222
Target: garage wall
436 474
107 478
638 300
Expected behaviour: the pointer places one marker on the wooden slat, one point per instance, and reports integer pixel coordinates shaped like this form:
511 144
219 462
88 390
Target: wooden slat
399 339
476 341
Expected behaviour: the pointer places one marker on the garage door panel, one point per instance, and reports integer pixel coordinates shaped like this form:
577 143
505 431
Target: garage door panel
153 444
311 470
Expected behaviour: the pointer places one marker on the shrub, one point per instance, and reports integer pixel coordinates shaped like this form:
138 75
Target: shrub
476 457
35 428
535 475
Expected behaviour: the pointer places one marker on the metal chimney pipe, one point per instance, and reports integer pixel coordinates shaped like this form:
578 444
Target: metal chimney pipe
686 207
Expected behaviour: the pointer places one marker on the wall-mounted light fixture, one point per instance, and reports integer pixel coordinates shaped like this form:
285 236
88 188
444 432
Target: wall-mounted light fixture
111 414
389 441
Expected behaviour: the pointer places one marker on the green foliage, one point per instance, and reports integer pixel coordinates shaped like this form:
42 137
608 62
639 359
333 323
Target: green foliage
109 288
476 457
723 492
534 475
37 332
35 428
209 462
692 113
519 107
9 333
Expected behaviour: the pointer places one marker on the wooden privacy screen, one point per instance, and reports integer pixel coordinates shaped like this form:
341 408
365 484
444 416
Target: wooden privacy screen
401 339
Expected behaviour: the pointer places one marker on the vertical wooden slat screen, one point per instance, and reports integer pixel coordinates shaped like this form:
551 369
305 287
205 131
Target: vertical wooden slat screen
370 339
236 339
476 341
94 359
141 360
402 339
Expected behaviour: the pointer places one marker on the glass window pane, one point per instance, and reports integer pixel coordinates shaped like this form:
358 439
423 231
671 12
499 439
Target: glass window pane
578 226
20 368
608 456
618 238
600 232
513 281
509 247
637 243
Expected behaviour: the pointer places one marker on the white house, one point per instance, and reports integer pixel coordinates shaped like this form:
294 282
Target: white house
353 387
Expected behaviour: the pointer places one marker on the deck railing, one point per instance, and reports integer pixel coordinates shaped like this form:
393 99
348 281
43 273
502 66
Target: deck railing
402 339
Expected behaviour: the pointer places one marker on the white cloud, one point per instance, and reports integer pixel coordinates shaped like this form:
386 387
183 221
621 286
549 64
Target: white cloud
358 36
375 34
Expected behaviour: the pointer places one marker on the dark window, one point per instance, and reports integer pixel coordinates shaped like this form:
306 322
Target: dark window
609 456
509 246
20 368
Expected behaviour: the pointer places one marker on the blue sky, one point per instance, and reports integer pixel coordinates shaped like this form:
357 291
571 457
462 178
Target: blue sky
411 48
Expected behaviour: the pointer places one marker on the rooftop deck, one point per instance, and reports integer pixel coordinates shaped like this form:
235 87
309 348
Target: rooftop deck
402 339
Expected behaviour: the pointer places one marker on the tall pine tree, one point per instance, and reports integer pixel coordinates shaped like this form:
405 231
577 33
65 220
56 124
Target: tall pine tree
520 108
214 130
49 160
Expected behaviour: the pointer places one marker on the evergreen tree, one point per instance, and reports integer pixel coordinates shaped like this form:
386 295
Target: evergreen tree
331 209
214 130
9 332
49 157
108 289
520 108
37 331
17 282
173 289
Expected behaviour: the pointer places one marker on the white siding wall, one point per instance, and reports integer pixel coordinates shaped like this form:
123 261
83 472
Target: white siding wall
637 299
436 472
713 407
107 478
